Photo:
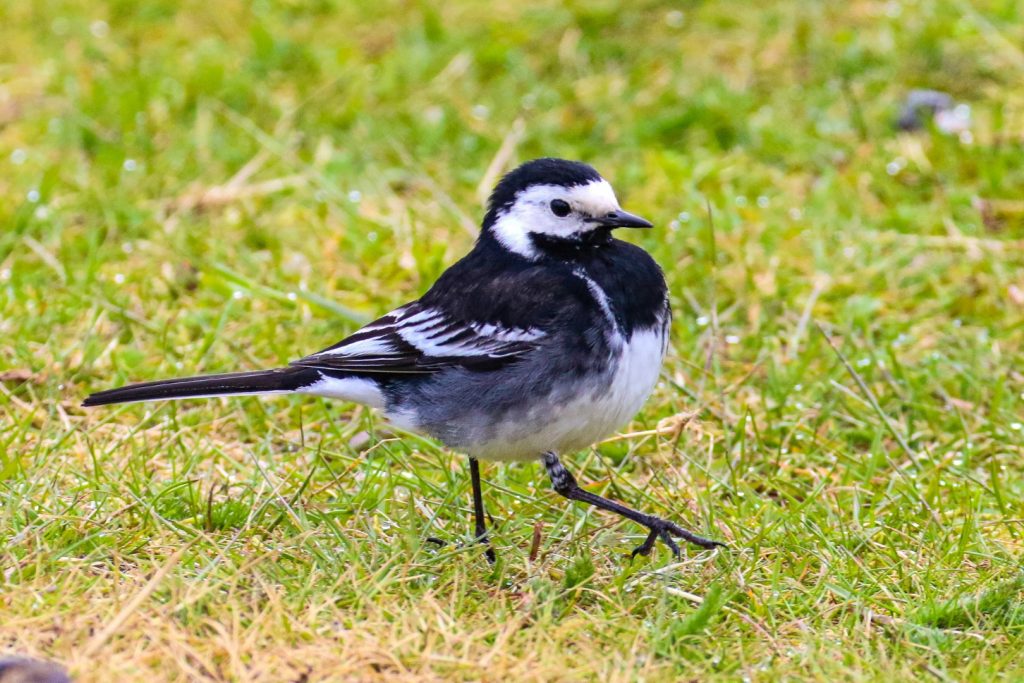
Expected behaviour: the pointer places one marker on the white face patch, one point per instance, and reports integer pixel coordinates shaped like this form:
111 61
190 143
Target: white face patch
531 213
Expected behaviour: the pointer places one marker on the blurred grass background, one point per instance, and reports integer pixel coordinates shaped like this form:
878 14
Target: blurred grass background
201 187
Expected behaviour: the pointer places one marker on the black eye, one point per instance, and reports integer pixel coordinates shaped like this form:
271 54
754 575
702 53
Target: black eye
560 208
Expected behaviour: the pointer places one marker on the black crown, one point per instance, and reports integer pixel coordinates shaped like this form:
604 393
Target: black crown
538 172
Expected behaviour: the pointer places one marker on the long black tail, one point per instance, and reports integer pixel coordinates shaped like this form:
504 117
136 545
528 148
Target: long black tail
281 380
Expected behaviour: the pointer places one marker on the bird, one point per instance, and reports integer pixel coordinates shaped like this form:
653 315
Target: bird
545 338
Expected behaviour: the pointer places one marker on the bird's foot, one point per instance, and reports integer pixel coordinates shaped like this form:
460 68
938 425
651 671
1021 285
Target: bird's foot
481 537
665 530
491 557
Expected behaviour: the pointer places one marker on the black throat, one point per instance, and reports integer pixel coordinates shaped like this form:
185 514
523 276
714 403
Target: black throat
630 279
574 247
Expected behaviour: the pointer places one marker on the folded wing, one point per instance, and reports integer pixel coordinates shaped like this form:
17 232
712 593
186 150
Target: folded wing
417 338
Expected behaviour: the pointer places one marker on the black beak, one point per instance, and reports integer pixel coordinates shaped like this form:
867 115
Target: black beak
623 219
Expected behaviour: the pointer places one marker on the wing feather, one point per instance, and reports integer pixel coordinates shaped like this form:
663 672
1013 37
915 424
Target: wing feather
421 339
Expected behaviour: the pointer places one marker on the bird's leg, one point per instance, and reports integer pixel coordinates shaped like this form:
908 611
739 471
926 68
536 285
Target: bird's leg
478 513
478 508
565 484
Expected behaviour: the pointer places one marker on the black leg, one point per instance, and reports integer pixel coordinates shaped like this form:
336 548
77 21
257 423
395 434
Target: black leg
565 484
478 508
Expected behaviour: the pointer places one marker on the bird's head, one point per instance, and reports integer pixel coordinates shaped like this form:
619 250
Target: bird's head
549 206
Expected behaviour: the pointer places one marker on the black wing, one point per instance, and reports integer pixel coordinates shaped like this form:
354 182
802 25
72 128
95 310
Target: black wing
419 338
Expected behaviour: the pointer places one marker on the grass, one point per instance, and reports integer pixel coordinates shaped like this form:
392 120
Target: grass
202 187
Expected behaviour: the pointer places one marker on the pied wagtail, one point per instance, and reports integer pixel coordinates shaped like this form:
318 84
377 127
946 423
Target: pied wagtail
547 337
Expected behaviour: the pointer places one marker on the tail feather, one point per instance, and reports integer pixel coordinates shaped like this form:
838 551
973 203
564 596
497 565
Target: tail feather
282 380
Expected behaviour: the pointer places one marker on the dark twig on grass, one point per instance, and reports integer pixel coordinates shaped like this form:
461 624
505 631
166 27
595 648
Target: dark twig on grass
538 527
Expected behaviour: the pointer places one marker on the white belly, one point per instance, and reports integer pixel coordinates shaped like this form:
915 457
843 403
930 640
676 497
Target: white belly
595 413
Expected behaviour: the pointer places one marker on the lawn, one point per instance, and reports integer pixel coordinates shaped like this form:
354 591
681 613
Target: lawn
191 187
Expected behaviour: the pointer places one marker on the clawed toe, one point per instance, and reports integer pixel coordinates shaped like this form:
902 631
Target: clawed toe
665 530
648 544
